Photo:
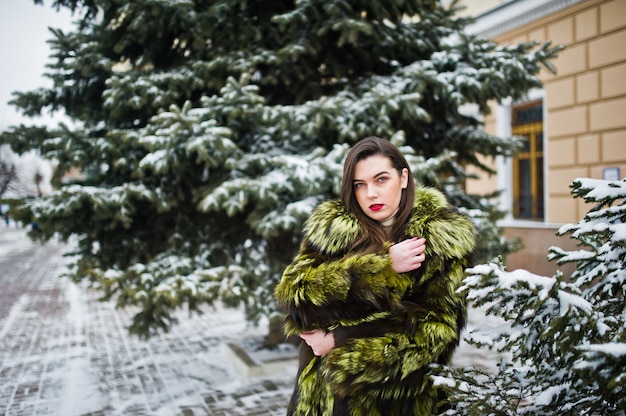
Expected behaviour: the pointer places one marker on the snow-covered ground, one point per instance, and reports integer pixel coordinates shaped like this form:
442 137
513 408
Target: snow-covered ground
64 353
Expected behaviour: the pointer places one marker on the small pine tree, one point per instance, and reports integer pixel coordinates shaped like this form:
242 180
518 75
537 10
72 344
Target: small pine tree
563 339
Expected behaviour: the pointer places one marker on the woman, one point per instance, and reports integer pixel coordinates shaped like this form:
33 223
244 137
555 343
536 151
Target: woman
372 291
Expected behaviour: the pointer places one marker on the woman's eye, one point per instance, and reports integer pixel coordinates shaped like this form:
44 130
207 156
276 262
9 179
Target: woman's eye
358 185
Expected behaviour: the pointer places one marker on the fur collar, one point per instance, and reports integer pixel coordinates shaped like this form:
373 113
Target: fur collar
331 229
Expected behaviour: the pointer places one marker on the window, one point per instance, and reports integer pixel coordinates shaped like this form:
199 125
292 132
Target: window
528 203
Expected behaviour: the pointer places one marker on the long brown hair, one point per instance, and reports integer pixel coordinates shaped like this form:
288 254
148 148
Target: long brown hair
374 236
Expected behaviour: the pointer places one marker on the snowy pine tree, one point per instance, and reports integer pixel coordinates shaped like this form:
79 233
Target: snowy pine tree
205 132
563 338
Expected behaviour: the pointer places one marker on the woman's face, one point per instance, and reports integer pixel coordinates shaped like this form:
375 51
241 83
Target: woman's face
378 186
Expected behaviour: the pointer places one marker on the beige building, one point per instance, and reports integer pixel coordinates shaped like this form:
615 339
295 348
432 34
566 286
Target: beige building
575 125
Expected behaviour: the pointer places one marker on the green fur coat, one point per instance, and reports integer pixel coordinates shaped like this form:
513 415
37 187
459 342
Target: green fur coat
388 327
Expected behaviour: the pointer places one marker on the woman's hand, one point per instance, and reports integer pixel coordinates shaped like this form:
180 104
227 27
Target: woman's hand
407 255
321 342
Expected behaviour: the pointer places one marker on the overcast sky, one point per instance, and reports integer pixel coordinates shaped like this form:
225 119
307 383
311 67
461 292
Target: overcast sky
24 51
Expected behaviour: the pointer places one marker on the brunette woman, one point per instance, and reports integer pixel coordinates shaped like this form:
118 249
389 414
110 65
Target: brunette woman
373 291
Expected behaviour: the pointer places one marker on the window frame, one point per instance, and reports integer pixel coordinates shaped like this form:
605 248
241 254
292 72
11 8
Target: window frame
504 165
532 152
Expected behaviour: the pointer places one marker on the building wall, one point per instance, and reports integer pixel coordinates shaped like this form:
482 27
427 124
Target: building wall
585 100
537 242
585 125
584 113
476 7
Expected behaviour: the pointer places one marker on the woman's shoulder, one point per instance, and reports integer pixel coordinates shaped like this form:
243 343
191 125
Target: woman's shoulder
448 231
429 199
432 204
330 228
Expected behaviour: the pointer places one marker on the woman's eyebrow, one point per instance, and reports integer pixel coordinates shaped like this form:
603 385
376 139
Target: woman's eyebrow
384 172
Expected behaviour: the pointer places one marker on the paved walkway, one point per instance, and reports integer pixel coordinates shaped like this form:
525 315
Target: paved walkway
62 352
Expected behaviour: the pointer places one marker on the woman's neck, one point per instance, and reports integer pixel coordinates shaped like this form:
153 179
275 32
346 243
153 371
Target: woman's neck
388 222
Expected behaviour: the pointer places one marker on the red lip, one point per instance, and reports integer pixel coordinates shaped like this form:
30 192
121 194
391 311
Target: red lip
376 207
